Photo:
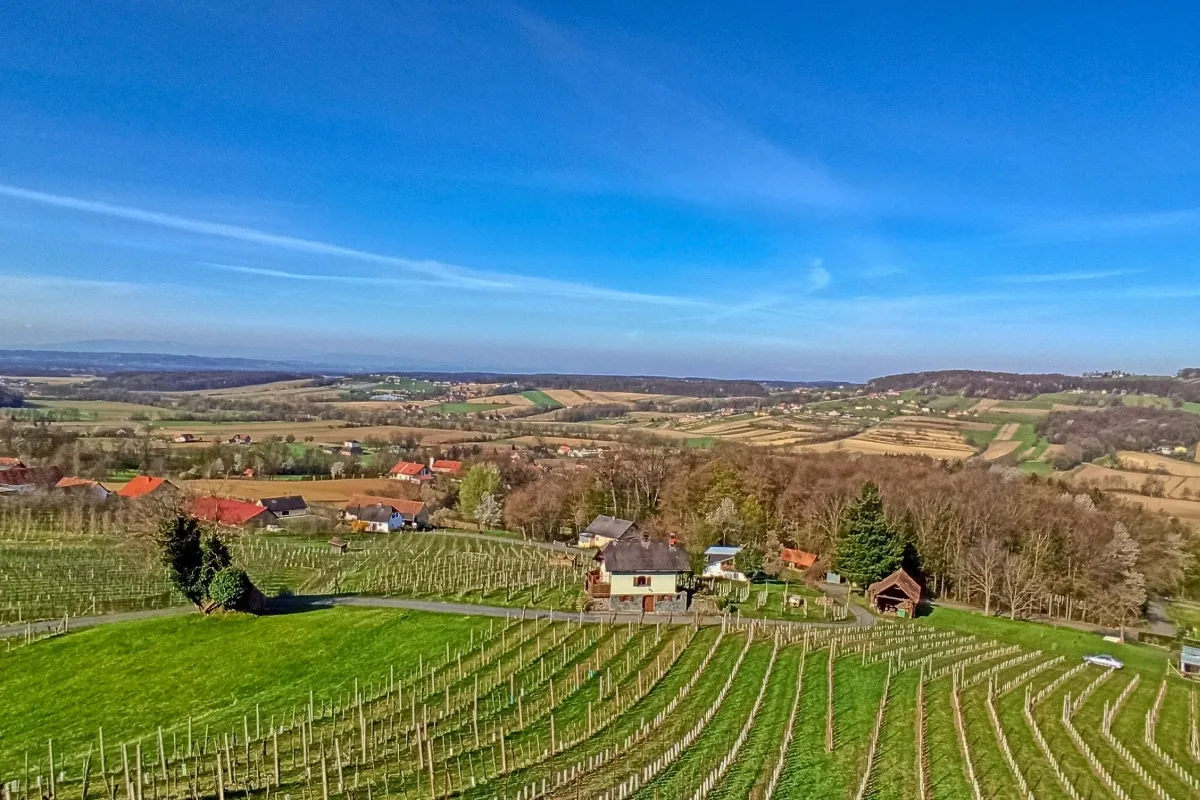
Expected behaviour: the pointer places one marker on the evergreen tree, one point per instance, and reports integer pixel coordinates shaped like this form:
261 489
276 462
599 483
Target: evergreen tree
868 547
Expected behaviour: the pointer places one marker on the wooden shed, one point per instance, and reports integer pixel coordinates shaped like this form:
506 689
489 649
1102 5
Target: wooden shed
898 593
338 545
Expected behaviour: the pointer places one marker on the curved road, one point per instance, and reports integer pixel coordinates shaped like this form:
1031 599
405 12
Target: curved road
862 617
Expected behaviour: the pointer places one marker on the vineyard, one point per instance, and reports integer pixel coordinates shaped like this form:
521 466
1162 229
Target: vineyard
48 574
525 709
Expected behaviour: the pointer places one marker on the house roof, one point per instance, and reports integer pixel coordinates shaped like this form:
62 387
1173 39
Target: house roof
374 513
30 476
1190 655
799 558
292 502
70 483
900 580
612 528
644 555
409 508
442 465
226 511
719 553
408 468
141 485
9 461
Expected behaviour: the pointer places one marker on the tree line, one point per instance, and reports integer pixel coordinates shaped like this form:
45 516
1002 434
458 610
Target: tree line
979 534
1091 434
1017 386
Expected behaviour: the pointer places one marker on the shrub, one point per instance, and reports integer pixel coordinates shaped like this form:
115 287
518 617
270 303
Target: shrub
229 588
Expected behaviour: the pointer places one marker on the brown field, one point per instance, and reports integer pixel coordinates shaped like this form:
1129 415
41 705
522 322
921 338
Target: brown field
568 397
615 397
1188 511
927 436
1173 487
986 404
998 449
322 431
333 491
1174 466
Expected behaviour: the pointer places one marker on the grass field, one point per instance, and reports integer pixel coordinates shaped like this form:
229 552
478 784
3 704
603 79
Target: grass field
465 408
541 400
640 711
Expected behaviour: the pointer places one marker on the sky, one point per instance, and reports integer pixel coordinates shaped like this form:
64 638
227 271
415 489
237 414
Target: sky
766 190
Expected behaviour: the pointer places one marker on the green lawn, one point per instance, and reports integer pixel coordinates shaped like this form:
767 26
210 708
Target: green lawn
541 400
134 677
981 439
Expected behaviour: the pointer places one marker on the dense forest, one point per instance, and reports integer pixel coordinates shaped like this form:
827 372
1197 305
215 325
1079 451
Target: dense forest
1016 386
984 535
182 381
1091 434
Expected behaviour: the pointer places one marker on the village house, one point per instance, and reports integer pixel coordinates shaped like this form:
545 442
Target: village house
8 462
898 593
241 438
232 513
82 486
186 438
285 507
411 472
719 563
639 575
22 480
605 530
386 514
440 466
351 447
145 486
1189 661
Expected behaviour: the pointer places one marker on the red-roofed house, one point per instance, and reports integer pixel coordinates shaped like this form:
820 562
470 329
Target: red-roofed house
8 462
82 486
28 479
144 486
387 513
409 471
444 467
234 513
797 559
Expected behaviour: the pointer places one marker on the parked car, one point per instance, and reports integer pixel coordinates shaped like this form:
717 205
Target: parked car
1106 661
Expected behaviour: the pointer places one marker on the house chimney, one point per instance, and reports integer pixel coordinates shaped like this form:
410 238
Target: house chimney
671 541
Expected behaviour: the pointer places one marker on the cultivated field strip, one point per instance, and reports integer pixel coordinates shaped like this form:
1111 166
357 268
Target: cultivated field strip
535 709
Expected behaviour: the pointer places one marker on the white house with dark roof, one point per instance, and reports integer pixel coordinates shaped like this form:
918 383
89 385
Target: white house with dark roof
642 574
719 563
285 507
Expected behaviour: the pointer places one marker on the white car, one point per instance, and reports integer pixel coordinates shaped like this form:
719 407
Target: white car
1106 661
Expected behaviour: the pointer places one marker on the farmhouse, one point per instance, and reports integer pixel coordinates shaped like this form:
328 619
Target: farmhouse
20 480
443 467
241 438
145 486
186 438
898 593
351 447
8 462
232 513
605 530
283 507
411 472
385 514
82 486
641 574
719 563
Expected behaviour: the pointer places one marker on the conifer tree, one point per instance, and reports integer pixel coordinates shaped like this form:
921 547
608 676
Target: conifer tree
869 548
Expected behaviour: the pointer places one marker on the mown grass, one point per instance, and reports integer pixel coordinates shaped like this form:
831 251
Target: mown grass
541 400
134 677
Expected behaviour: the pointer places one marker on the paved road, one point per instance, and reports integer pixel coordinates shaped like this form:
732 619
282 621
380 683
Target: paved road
307 602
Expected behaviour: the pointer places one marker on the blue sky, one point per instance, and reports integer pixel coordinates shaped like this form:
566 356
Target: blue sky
783 190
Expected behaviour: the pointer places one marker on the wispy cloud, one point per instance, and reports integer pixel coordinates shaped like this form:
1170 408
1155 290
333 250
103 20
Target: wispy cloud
818 276
1110 226
427 271
673 144
1063 277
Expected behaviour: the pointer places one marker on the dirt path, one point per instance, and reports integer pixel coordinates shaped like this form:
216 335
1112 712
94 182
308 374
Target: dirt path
1007 432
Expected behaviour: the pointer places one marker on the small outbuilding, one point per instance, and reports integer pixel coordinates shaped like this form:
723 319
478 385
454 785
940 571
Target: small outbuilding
719 563
898 593
605 530
338 545
1189 661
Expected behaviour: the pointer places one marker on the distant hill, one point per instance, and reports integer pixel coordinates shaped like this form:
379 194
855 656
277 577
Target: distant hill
1020 386
66 362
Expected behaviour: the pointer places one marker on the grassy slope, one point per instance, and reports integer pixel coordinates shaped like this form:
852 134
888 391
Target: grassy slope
215 669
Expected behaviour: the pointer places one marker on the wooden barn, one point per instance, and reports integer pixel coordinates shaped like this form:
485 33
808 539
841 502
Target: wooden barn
898 593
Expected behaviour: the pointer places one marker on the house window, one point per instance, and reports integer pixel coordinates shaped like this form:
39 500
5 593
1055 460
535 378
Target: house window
641 580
